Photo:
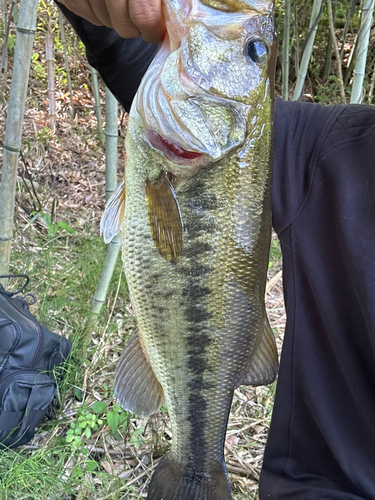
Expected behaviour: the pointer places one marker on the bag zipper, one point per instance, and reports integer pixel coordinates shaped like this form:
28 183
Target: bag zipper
39 346
18 373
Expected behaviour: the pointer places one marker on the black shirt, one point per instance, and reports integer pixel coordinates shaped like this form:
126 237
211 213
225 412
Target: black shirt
321 444
322 437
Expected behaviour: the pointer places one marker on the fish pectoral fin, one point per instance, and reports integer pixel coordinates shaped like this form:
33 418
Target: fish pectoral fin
111 222
264 361
136 386
165 218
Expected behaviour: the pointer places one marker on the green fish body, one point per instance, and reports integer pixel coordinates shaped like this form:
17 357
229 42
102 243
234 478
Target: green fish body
196 225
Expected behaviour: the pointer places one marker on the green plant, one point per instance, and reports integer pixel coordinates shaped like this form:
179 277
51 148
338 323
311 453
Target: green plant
38 67
275 253
117 419
137 439
86 423
48 218
330 92
91 419
11 42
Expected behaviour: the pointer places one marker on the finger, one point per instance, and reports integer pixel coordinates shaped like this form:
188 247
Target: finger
101 12
120 19
147 16
82 9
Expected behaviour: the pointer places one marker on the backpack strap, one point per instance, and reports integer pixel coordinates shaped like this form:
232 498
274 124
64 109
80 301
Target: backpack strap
10 276
37 414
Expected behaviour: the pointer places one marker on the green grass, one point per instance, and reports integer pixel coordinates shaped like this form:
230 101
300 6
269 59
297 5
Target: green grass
275 251
60 464
26 475
63 272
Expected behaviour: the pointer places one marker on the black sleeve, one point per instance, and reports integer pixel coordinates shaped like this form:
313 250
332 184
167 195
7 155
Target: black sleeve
300 131
120 62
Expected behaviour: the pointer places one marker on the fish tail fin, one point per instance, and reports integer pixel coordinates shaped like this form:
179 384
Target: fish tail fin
173 482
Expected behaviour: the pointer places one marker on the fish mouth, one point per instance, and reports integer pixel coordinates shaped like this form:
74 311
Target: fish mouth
184 122
171 149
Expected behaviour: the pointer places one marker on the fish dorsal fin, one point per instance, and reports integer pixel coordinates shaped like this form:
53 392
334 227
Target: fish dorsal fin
264 361
165 218
136 387
110 225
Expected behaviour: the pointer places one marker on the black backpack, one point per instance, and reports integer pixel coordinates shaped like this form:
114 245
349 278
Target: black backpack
29 359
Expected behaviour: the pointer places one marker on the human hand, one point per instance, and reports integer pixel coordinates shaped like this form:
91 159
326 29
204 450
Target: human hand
130 18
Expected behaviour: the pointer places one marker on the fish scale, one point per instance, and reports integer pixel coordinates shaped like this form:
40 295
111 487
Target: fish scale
196 236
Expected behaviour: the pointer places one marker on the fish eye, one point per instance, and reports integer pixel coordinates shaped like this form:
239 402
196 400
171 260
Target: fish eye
257 50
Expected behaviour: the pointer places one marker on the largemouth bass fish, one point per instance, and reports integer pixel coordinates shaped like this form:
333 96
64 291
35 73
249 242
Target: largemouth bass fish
195 216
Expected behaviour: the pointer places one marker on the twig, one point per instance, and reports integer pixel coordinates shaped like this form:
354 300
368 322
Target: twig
272 282
144 473
108 455
32 184
114 453
66 61
242 472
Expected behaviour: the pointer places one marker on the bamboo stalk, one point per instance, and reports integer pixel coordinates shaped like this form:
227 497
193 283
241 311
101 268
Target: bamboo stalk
50 78
95 89
113 249
12 143
4 54
15 14
328 61
285 55
371 92
296 38
66 61
351 59
317 5
363 43
352 9
336 50
3 8
111 142
355 47
4 12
